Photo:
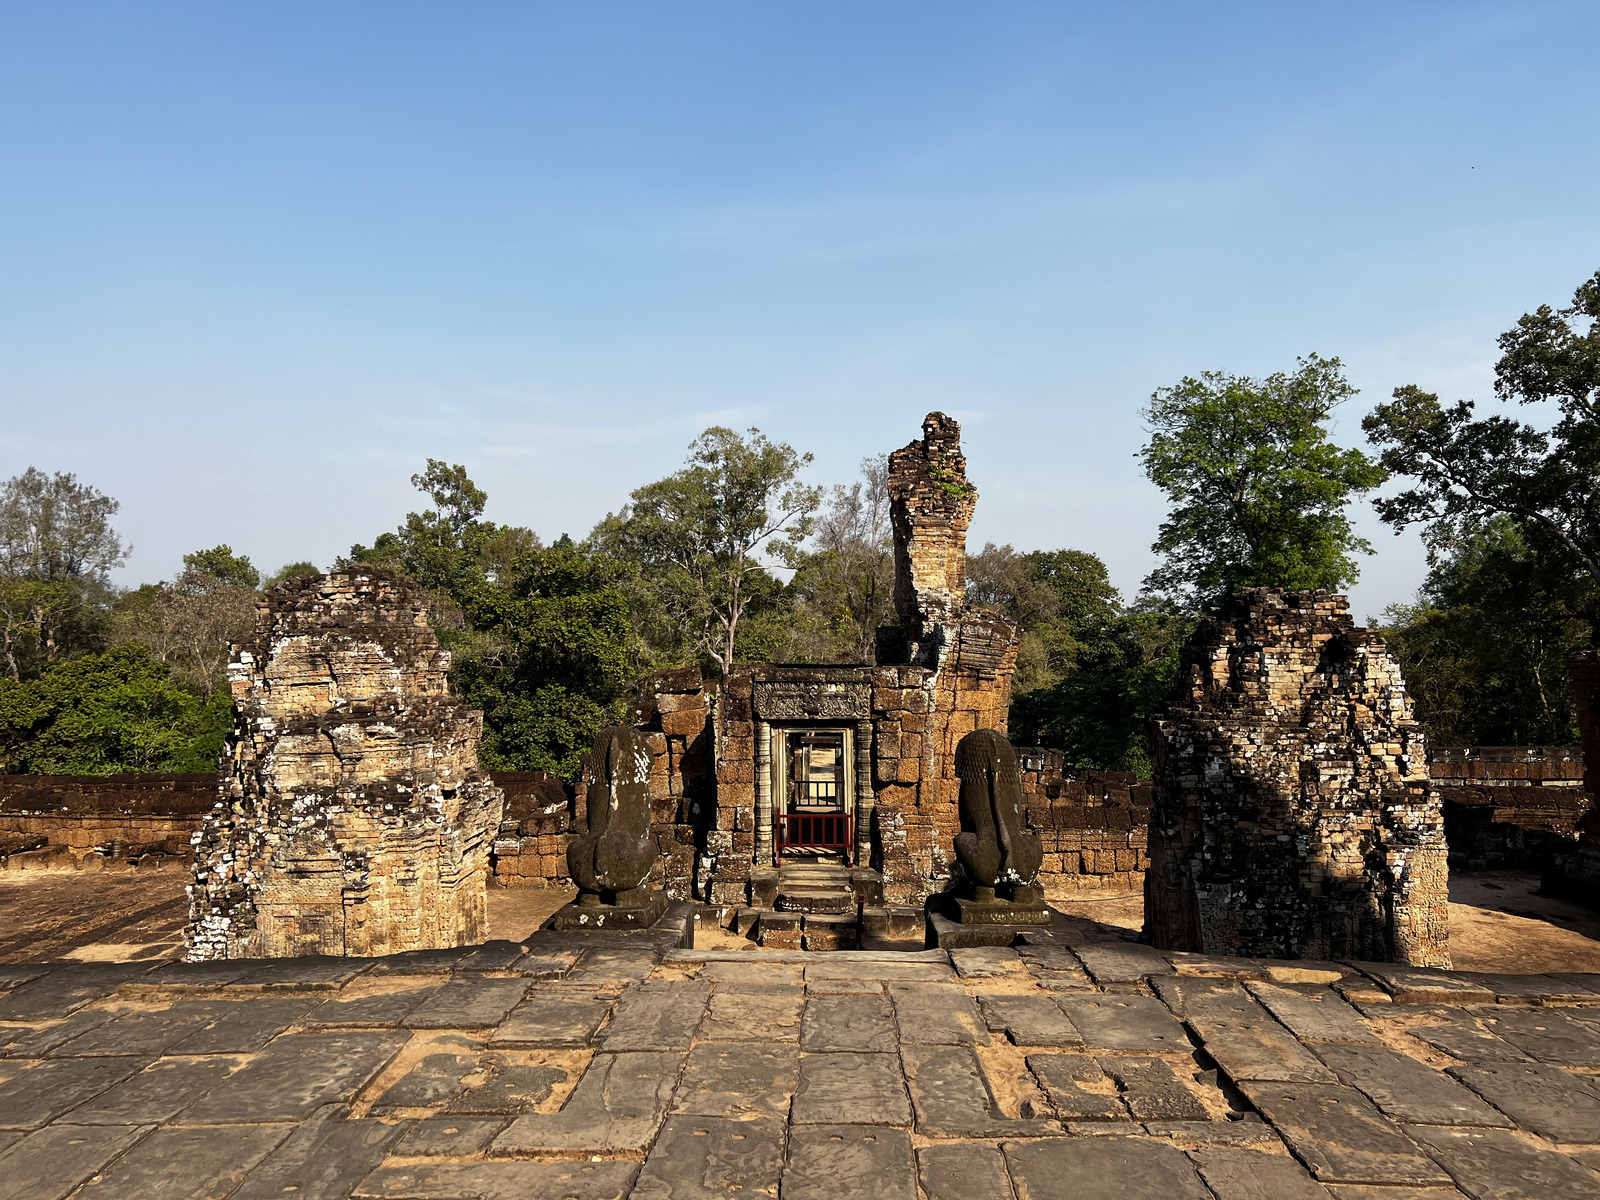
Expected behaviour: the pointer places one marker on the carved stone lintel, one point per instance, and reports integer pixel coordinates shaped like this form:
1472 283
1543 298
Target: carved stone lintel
784 700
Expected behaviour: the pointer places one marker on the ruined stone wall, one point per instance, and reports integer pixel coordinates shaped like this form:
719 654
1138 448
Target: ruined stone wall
1292 814
1508 806
354 819
674 710
77 821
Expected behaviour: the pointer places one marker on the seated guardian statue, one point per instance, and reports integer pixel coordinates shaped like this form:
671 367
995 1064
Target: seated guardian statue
994 849
612 858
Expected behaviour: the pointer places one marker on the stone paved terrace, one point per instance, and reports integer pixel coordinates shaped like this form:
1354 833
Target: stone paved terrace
574 1066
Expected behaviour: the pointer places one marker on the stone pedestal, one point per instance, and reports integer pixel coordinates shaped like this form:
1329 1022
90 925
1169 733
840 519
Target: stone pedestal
638 909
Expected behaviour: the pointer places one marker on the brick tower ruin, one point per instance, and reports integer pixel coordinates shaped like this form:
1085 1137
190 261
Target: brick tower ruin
1292 816
353 818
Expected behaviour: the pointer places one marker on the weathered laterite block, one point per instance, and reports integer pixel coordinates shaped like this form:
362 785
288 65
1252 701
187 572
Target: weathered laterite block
353 818
1293 816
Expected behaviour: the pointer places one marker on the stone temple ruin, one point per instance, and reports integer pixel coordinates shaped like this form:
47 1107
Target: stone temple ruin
872 805
1293 816
354 819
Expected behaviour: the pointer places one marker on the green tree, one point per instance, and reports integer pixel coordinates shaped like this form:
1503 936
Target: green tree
539 637
843 588
294 570
702 537
1483 647
57 549
1258 494
228 569
1466 470
100 714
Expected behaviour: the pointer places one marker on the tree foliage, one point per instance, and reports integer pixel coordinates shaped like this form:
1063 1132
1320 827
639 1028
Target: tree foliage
106 713
703 538
1258 493
539 636
1483 648
1466 470
57 549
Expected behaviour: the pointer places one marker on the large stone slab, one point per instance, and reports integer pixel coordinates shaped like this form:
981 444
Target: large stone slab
324 1159
968 1171
1235 1174
1548 1035
1338 1134
695 1157
246 1025
389 1007
296 1075
511 1087
468 1002
937 1014
1258 1050
656 1017
1547 1100
747 1017
1116 1168
845 1023
1029 1020
1063 1075
864 1089
1117 1022
35 1093
434 1079
189 1162
1191 996
1406 1090
552 1019
1494 1164
65 990
739 1080
878 969
49 1163
500 1181
952 1099
148 1031
449 1137
827 1162
1153 1091
1460 1035
1320 1015
1121 962
1425 985
156 1094
617 1107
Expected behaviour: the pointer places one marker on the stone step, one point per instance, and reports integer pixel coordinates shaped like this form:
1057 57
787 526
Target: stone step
815 900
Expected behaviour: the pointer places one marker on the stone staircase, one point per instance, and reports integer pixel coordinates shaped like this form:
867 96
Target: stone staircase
811 904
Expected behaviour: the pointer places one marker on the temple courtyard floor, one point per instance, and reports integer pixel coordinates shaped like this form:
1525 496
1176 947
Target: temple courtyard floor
1079 1064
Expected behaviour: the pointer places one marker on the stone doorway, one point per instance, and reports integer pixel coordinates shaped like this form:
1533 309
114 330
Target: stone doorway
815 813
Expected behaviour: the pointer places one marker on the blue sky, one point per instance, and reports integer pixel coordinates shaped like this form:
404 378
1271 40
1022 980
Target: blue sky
258 261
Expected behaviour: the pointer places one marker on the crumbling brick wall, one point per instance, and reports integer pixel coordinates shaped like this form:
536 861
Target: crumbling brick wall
1292 813
73 821
1508 806
354 819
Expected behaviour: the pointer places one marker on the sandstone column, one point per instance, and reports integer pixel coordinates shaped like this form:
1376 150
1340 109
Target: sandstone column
353 819
1292 813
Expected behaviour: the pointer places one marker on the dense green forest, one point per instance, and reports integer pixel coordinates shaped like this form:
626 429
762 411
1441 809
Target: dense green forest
737 557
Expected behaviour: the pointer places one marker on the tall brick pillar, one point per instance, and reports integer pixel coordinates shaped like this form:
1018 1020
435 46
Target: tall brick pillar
946 670
353 818
1292 814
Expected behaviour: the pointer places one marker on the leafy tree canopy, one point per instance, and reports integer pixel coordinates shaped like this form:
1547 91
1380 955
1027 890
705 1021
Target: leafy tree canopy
107 713
224 566
1258 494
1483 648
294 570
701 537
1466 470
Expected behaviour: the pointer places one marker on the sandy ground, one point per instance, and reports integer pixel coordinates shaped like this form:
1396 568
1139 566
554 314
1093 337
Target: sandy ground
1498 922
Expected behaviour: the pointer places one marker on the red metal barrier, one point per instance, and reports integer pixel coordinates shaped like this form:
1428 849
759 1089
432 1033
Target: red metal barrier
817 831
